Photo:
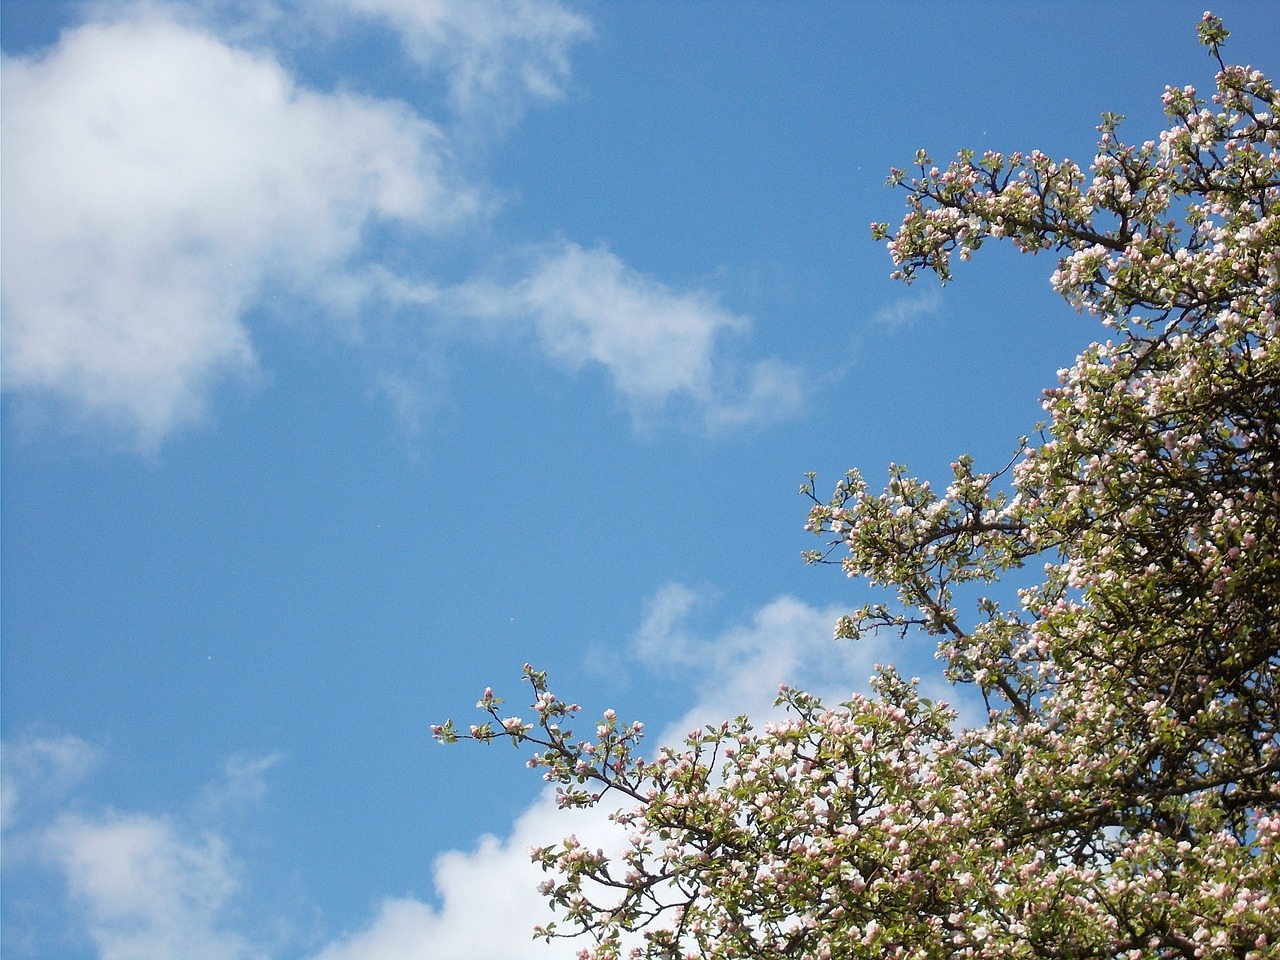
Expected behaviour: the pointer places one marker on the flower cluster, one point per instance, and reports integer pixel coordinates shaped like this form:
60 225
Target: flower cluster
1123 799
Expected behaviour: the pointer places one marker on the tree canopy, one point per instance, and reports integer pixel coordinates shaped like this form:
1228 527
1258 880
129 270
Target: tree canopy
1123 797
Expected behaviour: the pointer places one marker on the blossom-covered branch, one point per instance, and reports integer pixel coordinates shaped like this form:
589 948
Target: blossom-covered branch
1123 797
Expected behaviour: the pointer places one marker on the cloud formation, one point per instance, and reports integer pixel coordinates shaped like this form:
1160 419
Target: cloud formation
157 179
163 182
243 782
738 670
489 902
137 886
657 344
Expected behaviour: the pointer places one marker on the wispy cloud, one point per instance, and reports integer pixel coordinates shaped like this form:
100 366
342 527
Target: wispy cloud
657 344
494 54
766 391
242 784
918 303
156 179
37 771
738 670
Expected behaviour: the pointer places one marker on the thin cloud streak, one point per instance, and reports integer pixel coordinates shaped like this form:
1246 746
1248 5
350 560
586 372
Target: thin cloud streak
907 310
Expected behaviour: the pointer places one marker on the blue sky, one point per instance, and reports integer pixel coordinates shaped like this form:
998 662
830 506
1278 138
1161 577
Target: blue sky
358 351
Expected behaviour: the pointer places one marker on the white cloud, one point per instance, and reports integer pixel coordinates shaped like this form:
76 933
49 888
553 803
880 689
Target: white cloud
489 903
161 183
737 671
145 892
140 887
661 642
588 307
494 53
766 391
155 180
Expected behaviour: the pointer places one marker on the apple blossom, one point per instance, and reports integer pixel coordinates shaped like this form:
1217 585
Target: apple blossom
1123 799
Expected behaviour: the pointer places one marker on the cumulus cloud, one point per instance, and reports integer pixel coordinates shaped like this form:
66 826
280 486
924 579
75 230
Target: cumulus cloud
587 307
489 902
156 179
735 671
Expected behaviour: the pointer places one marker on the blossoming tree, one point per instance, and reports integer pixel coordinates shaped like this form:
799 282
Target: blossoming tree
1123 799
